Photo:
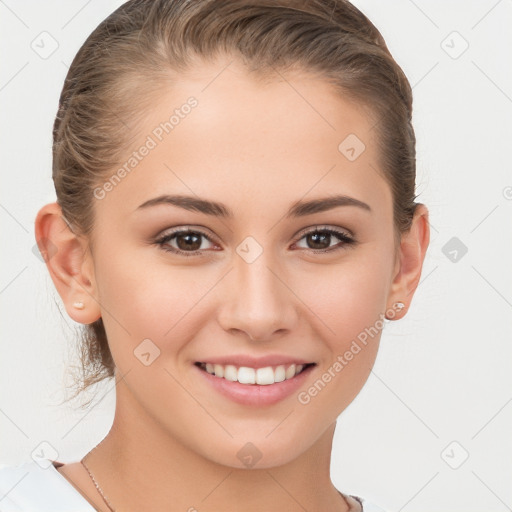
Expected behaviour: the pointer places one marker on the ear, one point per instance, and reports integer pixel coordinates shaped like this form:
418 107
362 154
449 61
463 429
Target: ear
410 257
69 262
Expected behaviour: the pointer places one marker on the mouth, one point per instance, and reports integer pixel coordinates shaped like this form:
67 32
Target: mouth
264 376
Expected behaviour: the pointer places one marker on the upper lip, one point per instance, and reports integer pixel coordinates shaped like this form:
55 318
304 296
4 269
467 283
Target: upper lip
255 362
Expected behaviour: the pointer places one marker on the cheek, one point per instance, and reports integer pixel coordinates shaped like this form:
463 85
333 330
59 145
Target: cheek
142 301
349 302
349 297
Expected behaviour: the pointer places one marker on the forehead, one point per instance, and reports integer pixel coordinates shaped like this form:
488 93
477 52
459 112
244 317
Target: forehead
222 133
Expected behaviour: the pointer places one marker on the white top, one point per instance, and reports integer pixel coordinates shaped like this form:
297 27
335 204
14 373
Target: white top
39 487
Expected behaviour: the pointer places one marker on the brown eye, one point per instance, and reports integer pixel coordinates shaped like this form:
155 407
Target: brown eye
188 242
320 239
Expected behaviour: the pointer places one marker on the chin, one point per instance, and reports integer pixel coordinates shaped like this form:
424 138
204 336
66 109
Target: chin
259 453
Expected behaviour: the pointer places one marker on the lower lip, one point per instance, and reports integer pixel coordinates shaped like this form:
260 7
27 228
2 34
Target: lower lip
256 394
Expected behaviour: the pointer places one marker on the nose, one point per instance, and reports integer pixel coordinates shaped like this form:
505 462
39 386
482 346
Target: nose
257 301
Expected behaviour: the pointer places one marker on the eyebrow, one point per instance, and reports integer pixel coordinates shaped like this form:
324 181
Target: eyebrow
216 209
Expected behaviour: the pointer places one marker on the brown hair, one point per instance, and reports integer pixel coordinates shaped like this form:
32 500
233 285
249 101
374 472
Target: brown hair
137 50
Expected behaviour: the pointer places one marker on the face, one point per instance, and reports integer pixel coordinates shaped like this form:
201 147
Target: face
254 282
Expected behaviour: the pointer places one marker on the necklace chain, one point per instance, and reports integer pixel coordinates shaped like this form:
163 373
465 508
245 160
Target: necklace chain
110 507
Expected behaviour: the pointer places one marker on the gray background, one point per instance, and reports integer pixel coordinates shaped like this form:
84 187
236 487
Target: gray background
431 429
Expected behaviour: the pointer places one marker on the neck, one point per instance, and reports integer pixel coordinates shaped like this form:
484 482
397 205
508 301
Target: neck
139 466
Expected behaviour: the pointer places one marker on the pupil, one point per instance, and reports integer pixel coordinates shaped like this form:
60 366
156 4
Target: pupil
187 245
317 236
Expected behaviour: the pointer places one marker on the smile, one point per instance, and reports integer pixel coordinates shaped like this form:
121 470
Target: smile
247 375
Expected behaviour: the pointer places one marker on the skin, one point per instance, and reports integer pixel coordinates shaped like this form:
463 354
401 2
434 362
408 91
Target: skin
174 438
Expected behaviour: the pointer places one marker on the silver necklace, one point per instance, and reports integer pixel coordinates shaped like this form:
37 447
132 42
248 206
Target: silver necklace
110 507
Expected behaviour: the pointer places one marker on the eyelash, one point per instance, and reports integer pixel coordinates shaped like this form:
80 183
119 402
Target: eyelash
163 240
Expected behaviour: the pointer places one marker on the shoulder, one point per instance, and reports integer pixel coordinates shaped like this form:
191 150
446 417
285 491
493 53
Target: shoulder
365 505
38 487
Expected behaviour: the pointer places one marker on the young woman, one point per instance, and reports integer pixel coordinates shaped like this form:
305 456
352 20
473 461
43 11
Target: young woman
235 222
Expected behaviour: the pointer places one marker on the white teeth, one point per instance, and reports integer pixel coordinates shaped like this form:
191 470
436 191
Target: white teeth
246 375
230 373
262 376
265 376
290 372
280 374
219 370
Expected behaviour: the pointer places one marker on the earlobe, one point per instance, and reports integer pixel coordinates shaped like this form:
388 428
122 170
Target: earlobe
412 251
69 262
